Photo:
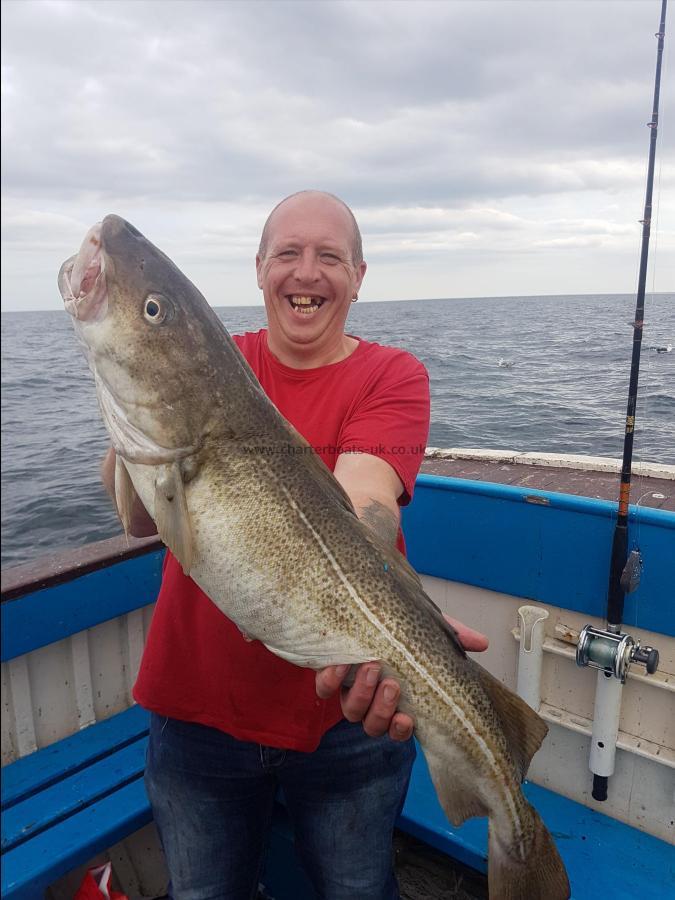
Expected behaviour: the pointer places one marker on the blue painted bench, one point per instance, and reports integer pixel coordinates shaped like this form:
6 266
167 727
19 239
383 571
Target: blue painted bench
67 802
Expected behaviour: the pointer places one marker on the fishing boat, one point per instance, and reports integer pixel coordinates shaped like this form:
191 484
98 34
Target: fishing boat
73 632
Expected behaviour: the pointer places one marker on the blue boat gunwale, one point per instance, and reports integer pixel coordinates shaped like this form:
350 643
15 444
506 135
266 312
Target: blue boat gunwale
69 564
572 502
540 545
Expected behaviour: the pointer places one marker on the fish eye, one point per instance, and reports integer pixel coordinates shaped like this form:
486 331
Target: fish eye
157 309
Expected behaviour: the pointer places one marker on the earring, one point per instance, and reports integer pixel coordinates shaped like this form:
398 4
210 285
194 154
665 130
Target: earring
355 298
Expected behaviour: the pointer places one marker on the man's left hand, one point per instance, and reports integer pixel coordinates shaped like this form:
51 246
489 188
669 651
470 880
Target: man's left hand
374 702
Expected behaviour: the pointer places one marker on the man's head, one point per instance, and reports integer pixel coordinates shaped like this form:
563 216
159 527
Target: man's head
357 244
310 267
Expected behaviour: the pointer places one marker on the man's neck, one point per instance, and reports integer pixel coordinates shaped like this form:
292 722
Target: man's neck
309 356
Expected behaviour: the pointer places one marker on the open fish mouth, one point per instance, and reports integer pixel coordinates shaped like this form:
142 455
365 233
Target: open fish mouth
82 280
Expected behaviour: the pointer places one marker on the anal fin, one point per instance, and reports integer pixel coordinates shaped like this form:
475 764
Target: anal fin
171 515
523 728
458 798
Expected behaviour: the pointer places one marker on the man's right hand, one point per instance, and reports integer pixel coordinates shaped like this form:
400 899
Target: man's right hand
141 525
373 702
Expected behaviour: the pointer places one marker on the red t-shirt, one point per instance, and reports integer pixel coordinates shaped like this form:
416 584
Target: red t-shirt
197 666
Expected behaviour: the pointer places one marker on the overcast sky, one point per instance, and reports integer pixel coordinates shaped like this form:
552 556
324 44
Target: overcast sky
487 148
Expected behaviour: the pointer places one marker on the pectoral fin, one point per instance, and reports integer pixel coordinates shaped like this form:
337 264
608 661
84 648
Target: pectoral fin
171 515
124 495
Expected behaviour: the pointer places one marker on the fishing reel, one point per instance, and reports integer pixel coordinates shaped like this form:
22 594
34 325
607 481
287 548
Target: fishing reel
614 652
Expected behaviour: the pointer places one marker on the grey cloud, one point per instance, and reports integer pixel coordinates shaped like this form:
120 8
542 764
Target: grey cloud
233 100
526 108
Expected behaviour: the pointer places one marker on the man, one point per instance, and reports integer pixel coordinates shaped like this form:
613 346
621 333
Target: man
231 722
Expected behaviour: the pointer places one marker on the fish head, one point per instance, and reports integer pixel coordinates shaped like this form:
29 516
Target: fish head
152 341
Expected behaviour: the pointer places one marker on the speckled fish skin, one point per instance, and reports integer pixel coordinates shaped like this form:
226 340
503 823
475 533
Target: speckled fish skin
269 535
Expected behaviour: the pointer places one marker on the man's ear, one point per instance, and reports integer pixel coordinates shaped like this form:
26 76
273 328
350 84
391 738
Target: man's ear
360 274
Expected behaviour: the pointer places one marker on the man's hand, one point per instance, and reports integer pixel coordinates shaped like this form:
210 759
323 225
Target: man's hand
374 702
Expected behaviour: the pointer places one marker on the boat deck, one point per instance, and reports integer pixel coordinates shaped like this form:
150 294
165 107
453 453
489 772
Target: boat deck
655 490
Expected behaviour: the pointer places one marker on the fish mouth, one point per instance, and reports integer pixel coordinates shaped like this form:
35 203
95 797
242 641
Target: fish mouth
82 280
305 304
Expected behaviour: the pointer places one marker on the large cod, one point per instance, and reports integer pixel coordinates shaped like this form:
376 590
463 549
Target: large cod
263 527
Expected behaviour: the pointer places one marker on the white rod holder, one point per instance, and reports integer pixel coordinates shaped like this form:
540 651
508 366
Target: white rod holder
531 653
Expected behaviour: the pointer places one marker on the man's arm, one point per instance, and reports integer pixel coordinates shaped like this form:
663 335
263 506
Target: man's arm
374 488
141 524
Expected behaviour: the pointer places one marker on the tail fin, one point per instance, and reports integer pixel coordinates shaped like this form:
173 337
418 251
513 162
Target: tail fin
540 876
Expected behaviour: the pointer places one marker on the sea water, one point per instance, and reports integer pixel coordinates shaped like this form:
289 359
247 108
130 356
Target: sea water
519 373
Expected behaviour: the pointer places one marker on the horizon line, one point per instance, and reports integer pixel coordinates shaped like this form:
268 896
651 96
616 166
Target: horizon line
260 305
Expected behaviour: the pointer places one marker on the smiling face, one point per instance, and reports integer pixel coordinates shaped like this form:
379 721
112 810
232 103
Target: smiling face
308 277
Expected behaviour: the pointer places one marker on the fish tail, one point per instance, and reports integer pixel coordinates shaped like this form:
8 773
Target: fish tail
539 874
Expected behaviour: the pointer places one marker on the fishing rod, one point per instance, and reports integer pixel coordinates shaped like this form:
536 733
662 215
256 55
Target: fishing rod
611 651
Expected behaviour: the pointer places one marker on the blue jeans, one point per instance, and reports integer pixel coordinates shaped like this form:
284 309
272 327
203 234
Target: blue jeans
212 797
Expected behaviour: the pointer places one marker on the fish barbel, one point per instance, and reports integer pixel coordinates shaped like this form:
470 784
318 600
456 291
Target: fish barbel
262 526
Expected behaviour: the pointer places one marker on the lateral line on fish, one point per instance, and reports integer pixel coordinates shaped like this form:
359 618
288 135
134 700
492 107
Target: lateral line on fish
491 760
